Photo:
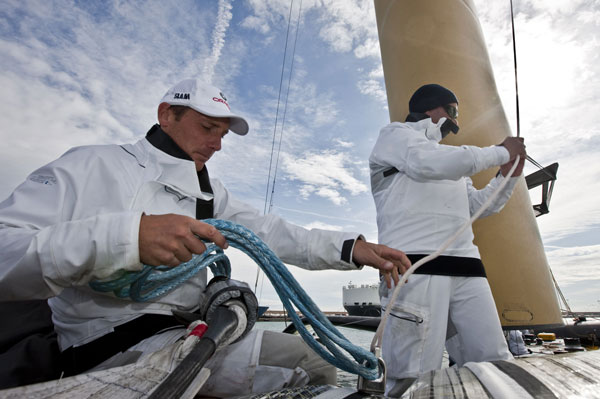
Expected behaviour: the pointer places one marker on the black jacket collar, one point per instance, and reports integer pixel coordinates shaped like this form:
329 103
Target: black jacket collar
161 140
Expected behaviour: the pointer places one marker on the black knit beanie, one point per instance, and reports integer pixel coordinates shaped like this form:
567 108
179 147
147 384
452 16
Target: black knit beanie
430 96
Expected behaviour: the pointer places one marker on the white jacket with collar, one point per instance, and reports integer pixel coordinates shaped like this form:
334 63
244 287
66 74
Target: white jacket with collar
77 219
431 196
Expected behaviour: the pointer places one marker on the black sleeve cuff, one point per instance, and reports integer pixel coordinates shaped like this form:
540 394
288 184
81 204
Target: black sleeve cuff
348 249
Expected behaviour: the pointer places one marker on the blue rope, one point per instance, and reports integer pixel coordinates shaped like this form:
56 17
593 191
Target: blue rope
152 282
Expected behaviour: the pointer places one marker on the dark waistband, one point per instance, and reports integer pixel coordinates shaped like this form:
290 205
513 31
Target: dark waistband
78 359
450 266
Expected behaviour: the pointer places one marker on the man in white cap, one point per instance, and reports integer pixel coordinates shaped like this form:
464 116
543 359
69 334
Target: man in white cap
98 210
423 196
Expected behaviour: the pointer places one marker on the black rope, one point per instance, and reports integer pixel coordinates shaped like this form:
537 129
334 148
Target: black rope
512 22
514 42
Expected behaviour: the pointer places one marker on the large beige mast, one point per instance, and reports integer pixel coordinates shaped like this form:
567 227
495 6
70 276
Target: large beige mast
440 41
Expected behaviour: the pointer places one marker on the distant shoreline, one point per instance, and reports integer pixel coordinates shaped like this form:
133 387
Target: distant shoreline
282 315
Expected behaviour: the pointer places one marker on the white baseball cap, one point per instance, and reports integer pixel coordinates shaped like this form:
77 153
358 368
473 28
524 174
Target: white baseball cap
207 100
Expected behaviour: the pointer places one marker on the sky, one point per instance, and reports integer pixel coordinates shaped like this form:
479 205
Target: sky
88 72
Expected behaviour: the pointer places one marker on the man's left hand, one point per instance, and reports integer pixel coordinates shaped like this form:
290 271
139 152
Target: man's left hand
390 262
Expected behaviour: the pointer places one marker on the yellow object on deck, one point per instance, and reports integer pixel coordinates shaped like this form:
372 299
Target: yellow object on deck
547 336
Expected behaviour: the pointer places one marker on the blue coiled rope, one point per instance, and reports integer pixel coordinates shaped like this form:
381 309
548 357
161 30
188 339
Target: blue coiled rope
152 282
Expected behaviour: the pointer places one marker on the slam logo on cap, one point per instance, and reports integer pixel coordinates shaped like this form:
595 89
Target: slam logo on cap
181 96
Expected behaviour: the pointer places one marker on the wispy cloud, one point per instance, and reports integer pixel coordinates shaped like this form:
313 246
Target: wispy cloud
343 144
324 174
349 25
373 88
573 264
218 38
323 226
345 26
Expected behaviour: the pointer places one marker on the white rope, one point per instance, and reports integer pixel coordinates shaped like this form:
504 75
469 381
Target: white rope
376 342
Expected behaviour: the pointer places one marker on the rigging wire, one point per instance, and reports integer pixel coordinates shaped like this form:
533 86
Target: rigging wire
277 110
514 43
562 297
287 34
285 107
530 159
268 199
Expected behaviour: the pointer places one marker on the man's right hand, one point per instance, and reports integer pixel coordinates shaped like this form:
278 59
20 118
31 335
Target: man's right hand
172 239
515 146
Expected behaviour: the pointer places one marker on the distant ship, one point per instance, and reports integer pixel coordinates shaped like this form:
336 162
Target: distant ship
361 300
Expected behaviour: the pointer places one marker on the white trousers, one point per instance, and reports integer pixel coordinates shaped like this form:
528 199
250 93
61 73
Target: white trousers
436 311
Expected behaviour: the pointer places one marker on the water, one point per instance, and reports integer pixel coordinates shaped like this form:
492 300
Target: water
358 337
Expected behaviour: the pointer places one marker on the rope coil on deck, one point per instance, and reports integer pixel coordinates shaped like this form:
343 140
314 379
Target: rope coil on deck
153 282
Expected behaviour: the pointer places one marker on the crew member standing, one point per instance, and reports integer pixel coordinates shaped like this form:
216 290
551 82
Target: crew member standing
423 195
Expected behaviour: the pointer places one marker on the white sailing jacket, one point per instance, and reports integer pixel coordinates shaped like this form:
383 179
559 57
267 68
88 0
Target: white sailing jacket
77 219
431 196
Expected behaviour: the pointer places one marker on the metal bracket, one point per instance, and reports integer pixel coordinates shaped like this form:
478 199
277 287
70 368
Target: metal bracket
376 386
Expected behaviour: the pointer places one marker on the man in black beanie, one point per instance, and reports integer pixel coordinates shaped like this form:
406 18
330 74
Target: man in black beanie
423 195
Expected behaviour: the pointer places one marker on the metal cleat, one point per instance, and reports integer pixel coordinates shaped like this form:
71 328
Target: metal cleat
376 386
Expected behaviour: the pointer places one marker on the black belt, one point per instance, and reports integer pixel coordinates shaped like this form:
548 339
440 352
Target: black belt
76 360
450 266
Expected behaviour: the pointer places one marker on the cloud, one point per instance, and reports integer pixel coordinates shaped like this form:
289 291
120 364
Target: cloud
573 207
348 222
324 174
275 12
368 48
559 86
577 272
349 25
218 38
573 264
93 75
343 144
256 23
373 88
317 106
554 7
322 226
377 73
344 26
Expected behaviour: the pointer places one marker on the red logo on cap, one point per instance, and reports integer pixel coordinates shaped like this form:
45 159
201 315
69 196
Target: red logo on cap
220 100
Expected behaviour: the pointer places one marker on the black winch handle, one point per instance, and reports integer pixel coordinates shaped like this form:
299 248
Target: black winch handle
221 327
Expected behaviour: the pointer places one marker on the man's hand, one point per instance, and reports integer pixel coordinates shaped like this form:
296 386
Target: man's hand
172 239
389 261
515 146
504 169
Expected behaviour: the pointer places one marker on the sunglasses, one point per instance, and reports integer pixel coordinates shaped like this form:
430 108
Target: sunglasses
451 110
